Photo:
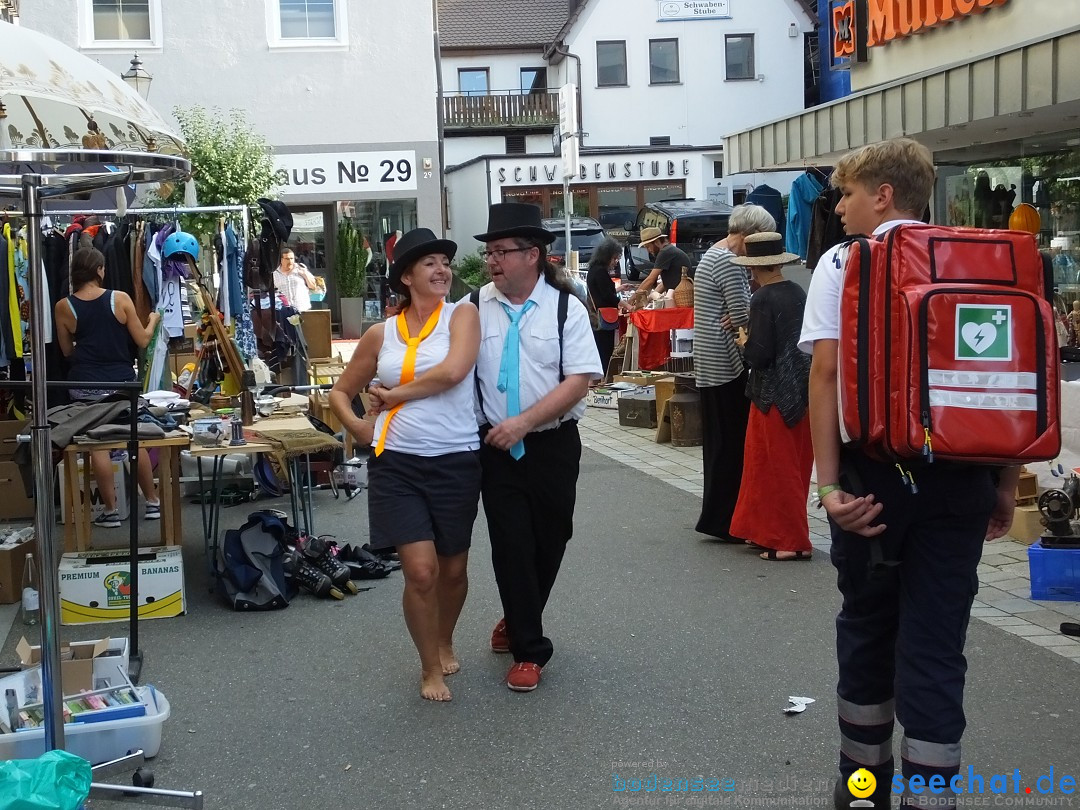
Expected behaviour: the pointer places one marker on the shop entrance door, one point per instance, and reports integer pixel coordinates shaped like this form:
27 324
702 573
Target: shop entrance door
309 243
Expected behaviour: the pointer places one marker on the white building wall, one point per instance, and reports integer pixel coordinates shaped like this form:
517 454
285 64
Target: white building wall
467 201
704 106
504 70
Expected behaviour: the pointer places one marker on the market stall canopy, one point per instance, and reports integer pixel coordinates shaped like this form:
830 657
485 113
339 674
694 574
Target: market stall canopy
53 97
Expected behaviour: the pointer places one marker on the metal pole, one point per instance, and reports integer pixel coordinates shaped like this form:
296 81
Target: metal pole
41 448
567 202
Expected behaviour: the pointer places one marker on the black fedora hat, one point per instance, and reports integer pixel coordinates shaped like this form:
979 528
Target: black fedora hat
414 245
278 216
515 219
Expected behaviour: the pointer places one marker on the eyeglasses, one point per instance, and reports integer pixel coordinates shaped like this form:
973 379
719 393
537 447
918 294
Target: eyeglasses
498 253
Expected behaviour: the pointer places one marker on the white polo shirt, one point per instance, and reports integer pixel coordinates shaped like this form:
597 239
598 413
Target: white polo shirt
821 318
539 350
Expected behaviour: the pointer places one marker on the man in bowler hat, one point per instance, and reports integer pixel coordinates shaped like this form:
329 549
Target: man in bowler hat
537 357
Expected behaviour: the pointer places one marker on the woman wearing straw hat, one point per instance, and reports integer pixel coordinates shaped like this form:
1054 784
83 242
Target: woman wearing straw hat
778 455
424 477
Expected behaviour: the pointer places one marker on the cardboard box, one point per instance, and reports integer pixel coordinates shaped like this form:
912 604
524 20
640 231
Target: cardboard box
97 506
638 410
1027 524
95 586
77 662
9 430
14 505
641 377
603 396
318 332
1027 487
12 562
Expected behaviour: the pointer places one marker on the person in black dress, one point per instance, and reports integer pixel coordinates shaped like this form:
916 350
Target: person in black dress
605 261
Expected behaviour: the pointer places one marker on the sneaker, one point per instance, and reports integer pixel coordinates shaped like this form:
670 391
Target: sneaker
524 676
153 510
108 520
500 642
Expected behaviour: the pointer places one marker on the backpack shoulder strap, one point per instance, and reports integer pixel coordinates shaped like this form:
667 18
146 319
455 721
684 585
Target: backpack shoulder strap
474 297
564 305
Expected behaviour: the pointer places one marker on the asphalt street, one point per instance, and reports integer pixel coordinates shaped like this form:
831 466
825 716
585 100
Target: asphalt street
674 656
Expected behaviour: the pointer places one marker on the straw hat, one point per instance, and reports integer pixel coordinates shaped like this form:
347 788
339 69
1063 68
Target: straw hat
649 235
763 249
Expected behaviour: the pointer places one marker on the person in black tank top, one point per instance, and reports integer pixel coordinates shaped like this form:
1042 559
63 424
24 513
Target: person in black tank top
98 331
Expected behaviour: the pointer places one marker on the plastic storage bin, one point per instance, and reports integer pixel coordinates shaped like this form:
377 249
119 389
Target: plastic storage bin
98 742
1055 573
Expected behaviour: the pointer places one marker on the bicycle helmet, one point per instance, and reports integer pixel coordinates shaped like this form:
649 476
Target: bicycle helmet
181 242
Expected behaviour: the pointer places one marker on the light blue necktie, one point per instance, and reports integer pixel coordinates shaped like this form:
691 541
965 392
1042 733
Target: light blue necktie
509 373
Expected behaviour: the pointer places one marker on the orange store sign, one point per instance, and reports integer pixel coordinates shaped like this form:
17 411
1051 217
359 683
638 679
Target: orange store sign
888 20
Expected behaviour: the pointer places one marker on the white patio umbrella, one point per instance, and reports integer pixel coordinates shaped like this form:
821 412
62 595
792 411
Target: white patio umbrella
53 97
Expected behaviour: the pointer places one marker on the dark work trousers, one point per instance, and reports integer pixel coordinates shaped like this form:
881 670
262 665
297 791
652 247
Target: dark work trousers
724 411
529 505
901 630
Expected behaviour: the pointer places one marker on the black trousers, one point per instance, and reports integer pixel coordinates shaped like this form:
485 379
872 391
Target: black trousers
605 345
529 505
724 411
901 630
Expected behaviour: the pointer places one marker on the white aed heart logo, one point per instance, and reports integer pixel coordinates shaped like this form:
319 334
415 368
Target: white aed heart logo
979 336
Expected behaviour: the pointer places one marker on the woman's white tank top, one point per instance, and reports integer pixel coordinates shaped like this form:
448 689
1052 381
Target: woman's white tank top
441 424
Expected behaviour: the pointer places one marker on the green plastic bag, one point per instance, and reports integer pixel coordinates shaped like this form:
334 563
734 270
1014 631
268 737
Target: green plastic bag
55 781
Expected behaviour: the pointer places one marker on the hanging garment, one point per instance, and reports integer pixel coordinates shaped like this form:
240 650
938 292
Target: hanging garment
142 300
826 229
12 312
234 259
769 198
806 188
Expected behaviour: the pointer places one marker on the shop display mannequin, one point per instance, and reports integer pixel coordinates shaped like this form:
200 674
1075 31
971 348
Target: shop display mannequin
1074 324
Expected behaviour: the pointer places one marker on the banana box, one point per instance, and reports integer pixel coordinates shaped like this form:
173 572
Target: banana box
95 586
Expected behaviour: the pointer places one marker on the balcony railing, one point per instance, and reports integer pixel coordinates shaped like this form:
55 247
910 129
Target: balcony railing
500 110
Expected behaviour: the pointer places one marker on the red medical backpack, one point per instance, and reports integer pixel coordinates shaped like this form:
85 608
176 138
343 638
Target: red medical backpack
948 348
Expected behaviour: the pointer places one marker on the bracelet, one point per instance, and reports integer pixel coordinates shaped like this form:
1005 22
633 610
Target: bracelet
825 490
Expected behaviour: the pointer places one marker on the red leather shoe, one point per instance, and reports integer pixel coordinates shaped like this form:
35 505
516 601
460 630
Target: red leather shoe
500 642
524 676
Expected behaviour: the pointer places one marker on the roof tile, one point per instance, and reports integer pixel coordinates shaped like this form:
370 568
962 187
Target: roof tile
500 23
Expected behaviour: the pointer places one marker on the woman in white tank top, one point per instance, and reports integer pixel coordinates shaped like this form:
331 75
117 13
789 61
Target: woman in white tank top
424 473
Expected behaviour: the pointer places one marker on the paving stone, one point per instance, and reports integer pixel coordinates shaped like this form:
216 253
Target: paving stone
1047 618
1013 604
1031 631
1048 641
1017 569
986 612
1004 621
989 574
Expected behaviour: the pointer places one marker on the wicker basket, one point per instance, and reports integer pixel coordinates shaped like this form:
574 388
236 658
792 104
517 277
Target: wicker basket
684 291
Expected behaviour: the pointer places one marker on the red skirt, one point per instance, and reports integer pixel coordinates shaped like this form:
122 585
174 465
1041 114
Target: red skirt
777 463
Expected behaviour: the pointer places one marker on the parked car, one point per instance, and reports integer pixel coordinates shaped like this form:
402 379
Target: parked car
692 225
585 235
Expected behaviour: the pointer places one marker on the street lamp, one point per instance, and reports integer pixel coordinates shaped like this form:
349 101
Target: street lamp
137 77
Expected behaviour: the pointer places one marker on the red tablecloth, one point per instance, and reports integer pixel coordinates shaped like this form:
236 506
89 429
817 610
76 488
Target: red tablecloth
654 326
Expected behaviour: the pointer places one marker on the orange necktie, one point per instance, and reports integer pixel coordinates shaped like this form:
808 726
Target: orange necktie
408 365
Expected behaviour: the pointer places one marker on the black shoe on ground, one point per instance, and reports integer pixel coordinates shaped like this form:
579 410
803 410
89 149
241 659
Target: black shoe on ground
308 577
319 552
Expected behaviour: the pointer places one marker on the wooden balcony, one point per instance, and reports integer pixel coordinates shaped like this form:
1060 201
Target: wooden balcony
500 111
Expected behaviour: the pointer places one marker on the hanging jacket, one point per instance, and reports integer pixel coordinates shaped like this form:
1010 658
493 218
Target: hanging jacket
769 198
804 191
826 229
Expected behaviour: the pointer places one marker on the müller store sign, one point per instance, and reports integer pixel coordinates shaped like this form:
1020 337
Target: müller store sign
595 171
861 24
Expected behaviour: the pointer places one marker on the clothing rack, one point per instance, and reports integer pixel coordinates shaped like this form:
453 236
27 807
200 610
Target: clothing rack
243 210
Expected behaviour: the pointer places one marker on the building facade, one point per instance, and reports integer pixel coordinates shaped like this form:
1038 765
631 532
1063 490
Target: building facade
354 126
659 83
986 85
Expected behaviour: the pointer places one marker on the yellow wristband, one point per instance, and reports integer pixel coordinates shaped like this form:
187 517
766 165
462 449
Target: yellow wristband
825 490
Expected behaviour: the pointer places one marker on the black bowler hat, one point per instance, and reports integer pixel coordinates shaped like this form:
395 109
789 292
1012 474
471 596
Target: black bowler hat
414 245
515 219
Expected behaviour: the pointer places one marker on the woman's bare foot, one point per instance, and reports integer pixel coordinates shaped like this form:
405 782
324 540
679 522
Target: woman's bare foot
450 663
432 687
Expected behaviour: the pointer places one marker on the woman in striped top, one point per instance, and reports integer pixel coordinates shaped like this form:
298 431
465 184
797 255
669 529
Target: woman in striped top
721 304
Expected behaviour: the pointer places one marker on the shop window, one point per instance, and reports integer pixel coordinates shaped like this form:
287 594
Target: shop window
107 24
656 192
473 81
307 24
611 64
717 169
663 61
616 206
739 50
533 80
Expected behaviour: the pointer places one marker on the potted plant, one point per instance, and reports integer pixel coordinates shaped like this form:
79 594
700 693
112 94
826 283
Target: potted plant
351 271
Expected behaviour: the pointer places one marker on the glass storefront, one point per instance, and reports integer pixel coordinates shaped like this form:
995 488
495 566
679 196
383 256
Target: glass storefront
982 185
381 222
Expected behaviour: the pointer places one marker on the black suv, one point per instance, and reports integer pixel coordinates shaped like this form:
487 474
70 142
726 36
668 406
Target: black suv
692 225
585 235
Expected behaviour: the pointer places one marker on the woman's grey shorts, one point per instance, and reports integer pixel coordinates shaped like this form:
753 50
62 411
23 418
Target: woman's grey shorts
413 498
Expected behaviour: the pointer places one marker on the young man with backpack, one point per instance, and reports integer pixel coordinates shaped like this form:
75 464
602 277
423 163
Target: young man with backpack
906 538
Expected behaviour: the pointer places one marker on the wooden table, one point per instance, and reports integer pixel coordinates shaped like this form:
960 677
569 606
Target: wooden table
78 523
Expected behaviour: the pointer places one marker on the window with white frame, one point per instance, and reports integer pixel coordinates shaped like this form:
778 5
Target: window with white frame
739 49
306 23
119 24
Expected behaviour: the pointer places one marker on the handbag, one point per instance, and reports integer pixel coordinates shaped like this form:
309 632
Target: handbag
602 319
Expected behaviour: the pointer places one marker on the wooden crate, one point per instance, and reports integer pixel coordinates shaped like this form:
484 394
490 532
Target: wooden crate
1027 488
